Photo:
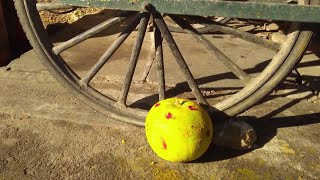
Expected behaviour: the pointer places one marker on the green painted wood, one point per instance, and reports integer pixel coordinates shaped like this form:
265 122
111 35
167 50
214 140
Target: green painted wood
253 10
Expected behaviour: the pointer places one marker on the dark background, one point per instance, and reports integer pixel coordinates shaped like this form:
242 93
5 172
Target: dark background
18 43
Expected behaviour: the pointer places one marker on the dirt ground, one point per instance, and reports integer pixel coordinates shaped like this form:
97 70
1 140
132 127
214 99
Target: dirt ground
46 133
64 15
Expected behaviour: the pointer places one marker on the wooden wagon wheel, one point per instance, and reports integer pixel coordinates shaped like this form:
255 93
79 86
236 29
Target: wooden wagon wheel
255 87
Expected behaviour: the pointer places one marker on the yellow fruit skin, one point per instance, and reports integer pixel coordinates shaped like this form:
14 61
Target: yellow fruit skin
178 130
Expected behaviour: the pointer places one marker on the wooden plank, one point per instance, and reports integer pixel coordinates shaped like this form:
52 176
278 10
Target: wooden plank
263 9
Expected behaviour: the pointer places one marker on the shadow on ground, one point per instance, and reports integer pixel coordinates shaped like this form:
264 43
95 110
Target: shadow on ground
85 23
266 128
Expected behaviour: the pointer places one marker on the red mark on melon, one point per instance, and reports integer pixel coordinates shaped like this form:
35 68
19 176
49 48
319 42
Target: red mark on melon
156 105
208 133
192 108
164 144
169 116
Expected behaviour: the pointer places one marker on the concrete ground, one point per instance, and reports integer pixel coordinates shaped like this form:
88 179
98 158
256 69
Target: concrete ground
46 133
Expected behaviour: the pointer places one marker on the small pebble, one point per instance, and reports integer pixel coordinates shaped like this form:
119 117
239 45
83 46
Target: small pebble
278 37
313 99
272 27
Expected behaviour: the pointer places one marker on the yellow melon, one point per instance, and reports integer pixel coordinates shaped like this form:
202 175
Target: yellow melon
178 130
